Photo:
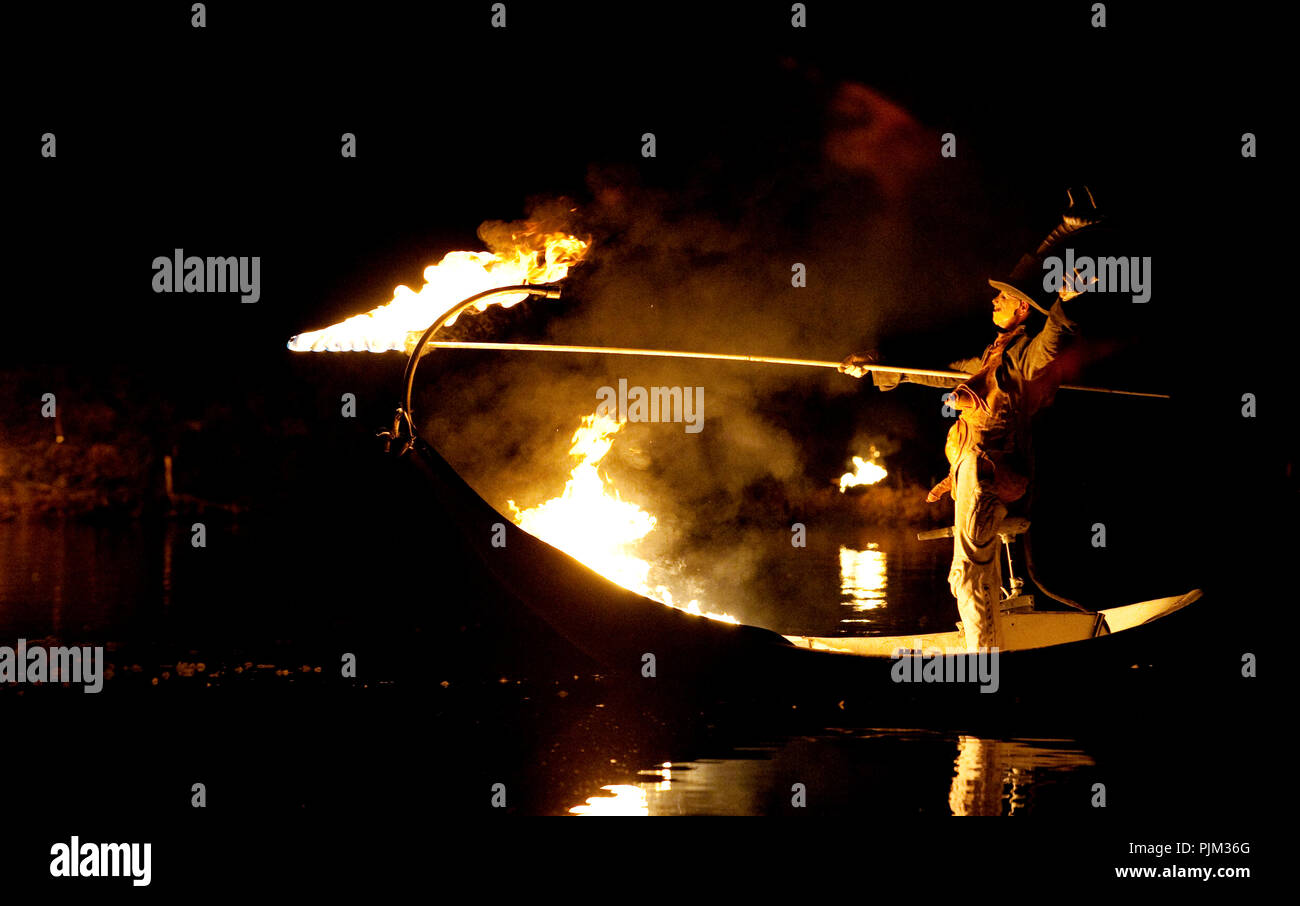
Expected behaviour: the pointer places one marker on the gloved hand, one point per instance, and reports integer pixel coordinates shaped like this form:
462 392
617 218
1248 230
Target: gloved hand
1074 285
852 365
885 380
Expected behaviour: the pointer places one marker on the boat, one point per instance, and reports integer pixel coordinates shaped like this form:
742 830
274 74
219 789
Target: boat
635 636
1022 625
1045 652
1022 631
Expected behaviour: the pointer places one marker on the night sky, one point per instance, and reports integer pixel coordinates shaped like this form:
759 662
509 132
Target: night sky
225 141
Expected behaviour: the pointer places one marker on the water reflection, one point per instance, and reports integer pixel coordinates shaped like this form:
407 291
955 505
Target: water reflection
169 553
626 801
911 772
863 579
889 584
997 776
707 786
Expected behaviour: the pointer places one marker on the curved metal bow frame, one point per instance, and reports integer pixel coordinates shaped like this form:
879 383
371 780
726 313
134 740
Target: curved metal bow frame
403 429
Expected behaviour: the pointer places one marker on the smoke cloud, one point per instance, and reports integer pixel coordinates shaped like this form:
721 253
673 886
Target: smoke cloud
888 242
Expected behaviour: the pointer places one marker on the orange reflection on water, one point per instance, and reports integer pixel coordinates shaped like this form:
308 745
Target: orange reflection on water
997 776
627 800
862 577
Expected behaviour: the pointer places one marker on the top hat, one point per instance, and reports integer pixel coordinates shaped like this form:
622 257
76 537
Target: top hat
1080 228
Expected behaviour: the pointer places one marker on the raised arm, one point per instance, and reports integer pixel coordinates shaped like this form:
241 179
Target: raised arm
1055 337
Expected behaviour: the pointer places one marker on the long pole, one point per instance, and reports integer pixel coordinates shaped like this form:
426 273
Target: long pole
763 359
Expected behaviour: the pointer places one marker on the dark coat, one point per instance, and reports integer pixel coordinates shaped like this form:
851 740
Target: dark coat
1011 381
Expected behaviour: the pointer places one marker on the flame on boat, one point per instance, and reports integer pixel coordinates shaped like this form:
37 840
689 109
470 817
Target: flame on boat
532 256
591 523
865 472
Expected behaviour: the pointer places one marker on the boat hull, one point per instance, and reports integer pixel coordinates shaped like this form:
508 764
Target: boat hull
637 637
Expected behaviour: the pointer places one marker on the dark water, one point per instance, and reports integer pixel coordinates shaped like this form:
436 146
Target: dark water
910 772
130 582
267 608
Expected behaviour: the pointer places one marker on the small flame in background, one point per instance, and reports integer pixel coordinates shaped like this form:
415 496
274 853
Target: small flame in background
590 523
864 472
533 257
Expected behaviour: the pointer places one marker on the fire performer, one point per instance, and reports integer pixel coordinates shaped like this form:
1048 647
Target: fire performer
988 447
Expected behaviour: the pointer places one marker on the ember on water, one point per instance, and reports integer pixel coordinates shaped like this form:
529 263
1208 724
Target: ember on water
534 257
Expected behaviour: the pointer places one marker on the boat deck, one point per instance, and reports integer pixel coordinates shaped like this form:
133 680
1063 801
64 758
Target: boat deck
1021 631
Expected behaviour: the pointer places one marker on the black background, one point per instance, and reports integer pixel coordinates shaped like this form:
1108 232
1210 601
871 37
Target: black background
226 139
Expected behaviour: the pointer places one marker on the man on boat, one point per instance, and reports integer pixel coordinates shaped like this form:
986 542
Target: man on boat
988 447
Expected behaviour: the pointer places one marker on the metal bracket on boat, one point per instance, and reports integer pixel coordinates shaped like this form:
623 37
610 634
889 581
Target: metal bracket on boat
400 418
1011 526
1015 584
1018 604
403 429
547 290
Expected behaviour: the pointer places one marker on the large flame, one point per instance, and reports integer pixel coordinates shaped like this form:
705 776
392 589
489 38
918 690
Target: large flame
592 524
864 472
534 257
